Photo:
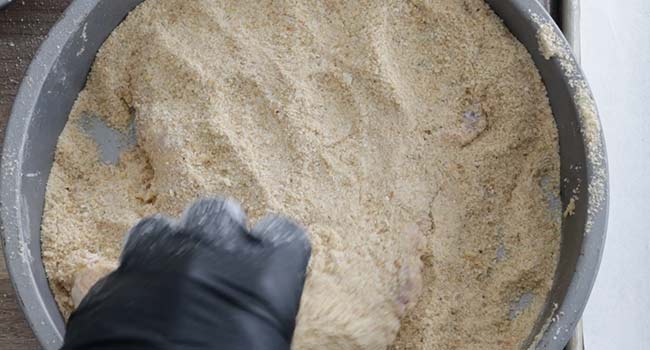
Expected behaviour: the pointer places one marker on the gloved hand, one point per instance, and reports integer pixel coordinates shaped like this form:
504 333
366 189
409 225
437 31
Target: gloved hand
206 282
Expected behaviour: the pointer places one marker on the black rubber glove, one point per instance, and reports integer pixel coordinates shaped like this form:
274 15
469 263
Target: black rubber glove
206 282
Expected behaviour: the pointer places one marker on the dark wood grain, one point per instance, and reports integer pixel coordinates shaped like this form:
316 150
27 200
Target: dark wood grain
14 331
23 26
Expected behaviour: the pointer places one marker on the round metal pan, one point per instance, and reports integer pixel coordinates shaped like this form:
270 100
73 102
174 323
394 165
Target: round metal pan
59 71
4 3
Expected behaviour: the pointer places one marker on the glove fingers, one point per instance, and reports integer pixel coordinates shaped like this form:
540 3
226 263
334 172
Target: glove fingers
285 267
278 230
215 220
146 235
286 239
153 227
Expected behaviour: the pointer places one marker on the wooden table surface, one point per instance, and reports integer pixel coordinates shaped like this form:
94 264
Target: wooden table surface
23 26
